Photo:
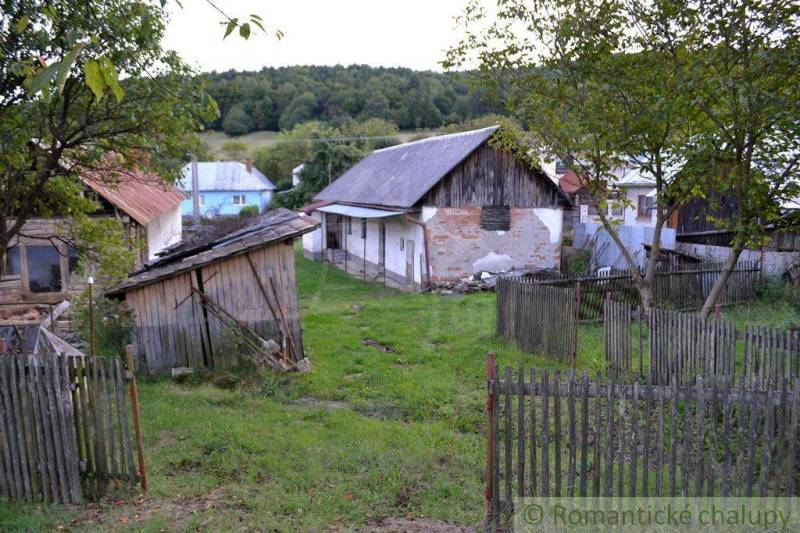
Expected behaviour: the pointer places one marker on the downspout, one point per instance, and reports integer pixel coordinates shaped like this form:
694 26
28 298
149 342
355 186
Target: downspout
424 245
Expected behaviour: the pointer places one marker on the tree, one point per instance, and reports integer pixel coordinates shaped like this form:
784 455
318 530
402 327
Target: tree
237 121
80 81
606 84
301 109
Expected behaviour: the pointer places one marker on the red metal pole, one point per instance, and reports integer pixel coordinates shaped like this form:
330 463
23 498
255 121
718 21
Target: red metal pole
489 493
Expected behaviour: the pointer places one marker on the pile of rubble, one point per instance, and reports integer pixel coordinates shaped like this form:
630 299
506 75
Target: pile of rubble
478 282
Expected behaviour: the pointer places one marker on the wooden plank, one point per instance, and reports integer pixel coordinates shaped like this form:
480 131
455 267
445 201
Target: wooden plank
545 436
521 435
507 436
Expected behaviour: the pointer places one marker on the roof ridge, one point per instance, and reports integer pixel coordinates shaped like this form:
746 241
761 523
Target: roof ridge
437 138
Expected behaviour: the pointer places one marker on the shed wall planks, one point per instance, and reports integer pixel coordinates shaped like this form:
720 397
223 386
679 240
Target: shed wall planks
172 329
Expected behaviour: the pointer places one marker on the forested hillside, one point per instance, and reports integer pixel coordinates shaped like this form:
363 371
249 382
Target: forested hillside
280 98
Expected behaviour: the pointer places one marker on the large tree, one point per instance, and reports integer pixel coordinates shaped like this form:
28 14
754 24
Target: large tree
606 84
80 81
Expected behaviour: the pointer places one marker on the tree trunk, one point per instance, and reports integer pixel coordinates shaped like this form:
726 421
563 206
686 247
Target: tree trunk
644 284
727 269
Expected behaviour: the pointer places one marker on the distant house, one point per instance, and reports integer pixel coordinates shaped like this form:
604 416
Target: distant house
40 267
190 304
631 185
225 187
438 209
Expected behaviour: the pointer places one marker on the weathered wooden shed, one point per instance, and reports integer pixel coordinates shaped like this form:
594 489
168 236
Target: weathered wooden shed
184 302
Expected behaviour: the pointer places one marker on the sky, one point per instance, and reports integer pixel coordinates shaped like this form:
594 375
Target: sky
409 33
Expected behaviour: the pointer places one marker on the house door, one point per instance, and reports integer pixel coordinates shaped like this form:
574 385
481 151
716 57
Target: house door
333 231
409 262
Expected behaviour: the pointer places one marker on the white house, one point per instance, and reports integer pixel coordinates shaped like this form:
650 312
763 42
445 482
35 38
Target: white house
438 209
631 184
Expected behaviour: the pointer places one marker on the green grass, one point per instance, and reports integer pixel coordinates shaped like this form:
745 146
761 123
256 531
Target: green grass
367 434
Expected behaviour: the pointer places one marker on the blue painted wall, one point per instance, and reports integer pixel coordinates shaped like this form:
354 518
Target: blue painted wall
221 202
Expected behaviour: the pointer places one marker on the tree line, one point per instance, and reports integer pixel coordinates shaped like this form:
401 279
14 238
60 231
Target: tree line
278 99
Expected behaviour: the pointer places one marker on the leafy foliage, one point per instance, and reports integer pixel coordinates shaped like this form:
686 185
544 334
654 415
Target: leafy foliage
331 150
281 98
80 80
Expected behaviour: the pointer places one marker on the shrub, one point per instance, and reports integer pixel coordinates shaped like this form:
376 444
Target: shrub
770 289
237 121
248 211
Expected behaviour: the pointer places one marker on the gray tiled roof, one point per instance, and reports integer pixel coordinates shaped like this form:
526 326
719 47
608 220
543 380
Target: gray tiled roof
225 176
400 175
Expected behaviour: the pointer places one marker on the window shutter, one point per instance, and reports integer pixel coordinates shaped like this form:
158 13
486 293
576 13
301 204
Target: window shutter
496 218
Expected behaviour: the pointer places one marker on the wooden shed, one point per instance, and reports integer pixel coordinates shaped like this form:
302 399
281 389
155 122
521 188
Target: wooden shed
186 302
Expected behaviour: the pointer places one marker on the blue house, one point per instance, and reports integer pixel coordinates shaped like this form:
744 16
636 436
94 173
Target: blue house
225 187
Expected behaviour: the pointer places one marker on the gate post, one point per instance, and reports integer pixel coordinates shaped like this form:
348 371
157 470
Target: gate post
137 424
489 494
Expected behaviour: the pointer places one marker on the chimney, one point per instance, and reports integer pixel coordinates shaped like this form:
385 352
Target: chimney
249 164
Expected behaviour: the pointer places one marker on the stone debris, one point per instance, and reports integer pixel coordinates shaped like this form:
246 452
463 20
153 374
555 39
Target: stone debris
483 280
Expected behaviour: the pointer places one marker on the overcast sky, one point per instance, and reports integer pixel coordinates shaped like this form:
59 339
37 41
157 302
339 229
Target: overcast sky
407 33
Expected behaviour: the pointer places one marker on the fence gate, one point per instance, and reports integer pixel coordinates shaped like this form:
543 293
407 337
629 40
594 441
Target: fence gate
551 435
64 428
538 319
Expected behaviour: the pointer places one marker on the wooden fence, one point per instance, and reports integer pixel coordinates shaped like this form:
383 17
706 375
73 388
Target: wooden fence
685 288
549 436
686 346
538 319
64 428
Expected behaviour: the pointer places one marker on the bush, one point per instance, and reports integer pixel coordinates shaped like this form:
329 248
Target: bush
248 211
237 121
113 324
235 150
770 289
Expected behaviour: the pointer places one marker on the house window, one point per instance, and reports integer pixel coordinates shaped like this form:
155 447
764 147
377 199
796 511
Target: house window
12 266
363 228
645 206
616 206
239 199
349 225
496 217
44 268
72 259
402 245
201 198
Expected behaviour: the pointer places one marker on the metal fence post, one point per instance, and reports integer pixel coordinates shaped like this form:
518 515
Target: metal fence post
488 494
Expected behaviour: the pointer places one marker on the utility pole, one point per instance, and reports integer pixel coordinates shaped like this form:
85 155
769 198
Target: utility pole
195 192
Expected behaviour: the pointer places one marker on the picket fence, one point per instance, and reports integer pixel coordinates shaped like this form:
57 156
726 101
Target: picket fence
684 288
64 428
538 319
685 345
549 436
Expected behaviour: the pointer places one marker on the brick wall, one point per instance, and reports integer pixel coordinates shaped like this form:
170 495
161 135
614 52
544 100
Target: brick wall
459 247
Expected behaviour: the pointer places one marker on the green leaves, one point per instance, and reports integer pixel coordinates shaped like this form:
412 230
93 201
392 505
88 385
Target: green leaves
42 78
232 23
94 78
101 75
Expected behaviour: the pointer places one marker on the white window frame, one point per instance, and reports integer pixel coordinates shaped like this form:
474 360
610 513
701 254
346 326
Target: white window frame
201 199
243 198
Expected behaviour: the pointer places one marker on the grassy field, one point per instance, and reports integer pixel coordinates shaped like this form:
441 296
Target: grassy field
258 139
370 433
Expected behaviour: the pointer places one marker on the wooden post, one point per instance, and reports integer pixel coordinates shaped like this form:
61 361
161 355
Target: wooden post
91 317
137 423
717 311
489 493
577 322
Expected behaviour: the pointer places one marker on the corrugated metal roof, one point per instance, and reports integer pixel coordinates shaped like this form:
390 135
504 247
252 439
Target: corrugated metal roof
400 175
225 176
144 197
358 212
273 226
